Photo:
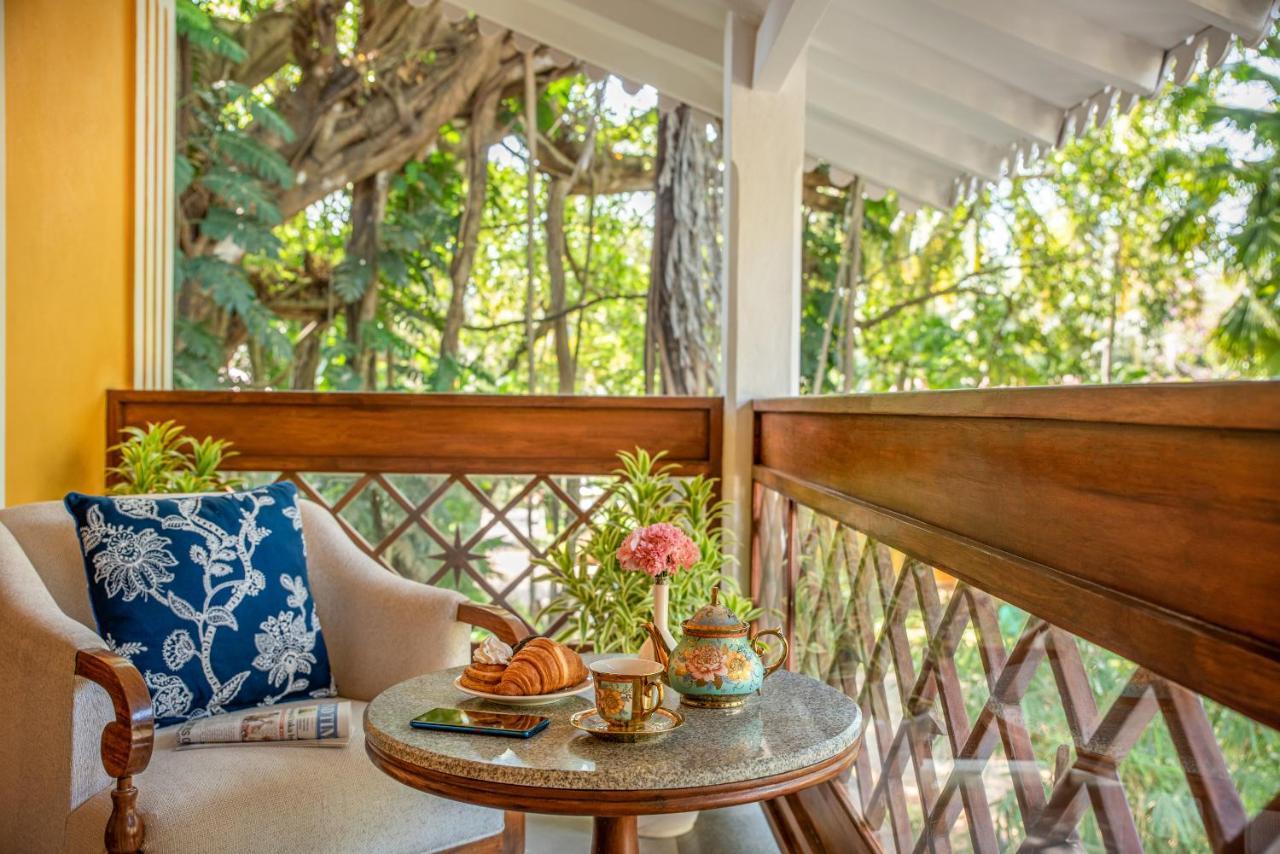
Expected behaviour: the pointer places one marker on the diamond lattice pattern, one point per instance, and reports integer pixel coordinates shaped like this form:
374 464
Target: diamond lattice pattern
988 729
476 534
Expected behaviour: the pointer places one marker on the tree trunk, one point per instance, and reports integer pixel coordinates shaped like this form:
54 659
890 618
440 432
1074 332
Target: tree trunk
853 280
306 358
556 195
368 203
839 286
483 117
531 140
685 266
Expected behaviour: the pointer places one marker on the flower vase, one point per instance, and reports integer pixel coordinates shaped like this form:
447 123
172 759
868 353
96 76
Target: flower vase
660 620
670 825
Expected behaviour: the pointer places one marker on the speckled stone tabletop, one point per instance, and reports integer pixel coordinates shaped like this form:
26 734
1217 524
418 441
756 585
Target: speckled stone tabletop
794 722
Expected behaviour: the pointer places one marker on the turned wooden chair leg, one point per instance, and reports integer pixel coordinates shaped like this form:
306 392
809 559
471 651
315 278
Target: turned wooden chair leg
125 828
126 742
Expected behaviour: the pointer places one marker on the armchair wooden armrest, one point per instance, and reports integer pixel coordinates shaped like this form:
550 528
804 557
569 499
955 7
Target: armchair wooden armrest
126 741
508 627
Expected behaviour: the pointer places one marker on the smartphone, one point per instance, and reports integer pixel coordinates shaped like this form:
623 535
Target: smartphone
481 723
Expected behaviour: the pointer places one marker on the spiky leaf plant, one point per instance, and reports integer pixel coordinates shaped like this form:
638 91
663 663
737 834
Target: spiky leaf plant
607 605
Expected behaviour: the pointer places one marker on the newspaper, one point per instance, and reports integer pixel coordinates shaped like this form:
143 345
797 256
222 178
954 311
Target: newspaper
326 724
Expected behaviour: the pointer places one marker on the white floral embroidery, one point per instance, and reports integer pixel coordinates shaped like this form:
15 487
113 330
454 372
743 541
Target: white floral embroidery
178 649
297 590
131 563
128 649
284 649
170 697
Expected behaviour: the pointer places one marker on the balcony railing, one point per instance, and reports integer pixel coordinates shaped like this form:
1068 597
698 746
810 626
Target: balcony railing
460 491
1057 608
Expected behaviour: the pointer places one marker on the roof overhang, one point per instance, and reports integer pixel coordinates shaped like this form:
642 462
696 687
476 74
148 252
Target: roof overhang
928 97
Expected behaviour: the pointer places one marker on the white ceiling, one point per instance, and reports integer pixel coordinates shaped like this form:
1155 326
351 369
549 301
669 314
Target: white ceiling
924 96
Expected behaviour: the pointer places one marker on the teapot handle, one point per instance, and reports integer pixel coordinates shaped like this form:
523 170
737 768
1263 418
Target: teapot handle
761 649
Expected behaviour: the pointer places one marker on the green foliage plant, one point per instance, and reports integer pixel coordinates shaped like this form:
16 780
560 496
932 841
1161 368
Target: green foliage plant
608 605
163 459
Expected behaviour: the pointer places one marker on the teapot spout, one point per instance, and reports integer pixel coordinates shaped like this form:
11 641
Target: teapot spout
661 653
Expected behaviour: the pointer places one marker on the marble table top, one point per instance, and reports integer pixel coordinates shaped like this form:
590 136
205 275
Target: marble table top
794 722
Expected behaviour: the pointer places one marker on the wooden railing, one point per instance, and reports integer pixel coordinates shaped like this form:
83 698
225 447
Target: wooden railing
464 491
1019 587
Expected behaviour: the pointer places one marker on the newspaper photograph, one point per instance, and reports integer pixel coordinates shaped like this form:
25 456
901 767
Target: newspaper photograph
326 724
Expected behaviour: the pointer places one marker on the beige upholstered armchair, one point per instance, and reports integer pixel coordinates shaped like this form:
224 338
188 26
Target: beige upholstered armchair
82 758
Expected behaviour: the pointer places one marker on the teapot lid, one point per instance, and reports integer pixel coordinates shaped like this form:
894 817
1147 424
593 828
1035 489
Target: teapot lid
714 620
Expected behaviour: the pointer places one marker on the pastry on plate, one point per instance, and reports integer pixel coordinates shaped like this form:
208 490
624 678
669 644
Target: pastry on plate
488 663
541 666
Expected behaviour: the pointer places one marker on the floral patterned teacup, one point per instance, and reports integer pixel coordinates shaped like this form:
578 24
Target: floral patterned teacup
627 691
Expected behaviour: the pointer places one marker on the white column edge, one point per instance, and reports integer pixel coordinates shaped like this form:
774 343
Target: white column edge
154 92
4 268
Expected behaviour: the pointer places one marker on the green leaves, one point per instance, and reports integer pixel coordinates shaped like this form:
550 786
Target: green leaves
264 162
242 193
608 604
195 25
226 283
351 278
271 121
221 223
163 459
183 173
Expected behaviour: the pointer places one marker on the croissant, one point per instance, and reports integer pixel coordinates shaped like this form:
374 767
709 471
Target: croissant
542 666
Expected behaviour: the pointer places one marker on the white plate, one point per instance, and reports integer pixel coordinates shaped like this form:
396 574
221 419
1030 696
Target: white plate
534 700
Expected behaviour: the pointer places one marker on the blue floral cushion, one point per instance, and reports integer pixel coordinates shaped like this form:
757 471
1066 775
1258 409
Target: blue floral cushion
207 596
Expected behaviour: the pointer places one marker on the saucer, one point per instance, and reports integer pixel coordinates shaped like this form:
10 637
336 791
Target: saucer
661 722
529 700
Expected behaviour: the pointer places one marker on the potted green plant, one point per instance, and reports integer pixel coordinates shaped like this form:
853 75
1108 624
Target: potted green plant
608 597
162 459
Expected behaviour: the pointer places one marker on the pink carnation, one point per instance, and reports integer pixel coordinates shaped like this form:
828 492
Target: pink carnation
658 550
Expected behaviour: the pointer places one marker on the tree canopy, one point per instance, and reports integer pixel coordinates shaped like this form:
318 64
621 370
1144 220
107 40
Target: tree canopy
357 211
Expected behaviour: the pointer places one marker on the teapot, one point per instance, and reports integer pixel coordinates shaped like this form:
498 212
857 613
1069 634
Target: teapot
716 664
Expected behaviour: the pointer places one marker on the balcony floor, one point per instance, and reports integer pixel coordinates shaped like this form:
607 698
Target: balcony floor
734 830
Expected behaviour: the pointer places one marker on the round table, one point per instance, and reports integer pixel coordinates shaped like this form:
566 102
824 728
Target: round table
795 734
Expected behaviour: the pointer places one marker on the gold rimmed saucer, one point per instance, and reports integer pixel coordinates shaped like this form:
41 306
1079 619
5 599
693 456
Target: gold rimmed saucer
661 722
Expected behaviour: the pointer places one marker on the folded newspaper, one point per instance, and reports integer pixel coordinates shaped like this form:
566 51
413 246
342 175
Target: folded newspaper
325 724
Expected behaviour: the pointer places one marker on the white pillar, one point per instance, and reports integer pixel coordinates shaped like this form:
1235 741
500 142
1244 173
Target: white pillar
764 162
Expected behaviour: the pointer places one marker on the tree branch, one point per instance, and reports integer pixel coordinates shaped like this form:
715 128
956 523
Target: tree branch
550 318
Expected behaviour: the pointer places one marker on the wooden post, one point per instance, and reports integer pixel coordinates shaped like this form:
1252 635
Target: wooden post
764 160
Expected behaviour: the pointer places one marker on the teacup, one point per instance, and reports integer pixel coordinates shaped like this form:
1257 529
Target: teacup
627 691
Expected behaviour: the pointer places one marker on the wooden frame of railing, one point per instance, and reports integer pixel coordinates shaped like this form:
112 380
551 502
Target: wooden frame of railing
437 433
307 437
1145 519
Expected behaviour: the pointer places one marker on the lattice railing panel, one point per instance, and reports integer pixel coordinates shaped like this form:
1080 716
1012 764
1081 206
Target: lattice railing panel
988 729
478 534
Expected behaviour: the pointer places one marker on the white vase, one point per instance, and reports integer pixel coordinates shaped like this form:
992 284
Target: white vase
660 620
672 824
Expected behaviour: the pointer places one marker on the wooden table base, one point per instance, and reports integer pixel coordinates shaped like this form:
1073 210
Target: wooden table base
819 819
614 835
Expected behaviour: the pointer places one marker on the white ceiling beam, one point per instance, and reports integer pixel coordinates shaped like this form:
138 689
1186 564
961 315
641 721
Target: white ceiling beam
942 143
1068 39
1248 19
631 55
851 150
781 39
859 49
683 33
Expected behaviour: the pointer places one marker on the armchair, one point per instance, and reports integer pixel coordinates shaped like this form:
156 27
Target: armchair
86 766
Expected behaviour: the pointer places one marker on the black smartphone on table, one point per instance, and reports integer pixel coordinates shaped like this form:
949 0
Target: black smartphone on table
481 723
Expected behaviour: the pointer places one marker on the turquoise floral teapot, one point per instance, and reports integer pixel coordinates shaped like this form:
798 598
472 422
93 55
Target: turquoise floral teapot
717 663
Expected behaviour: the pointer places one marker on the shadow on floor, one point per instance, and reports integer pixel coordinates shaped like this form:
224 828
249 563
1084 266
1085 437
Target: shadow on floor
734 830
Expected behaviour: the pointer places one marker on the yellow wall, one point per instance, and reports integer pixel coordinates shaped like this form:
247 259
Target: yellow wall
69 221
